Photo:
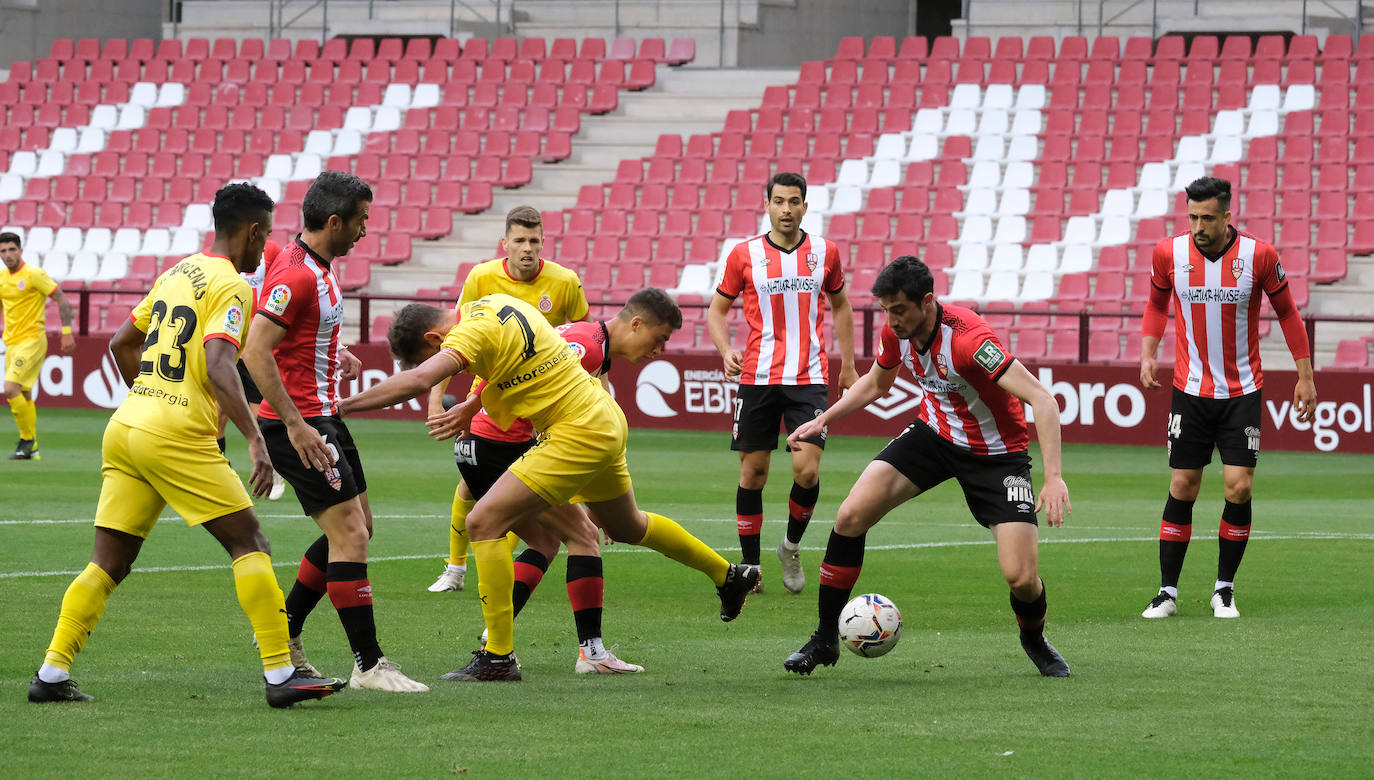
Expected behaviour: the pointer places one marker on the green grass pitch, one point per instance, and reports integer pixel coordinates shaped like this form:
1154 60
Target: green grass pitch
1284 690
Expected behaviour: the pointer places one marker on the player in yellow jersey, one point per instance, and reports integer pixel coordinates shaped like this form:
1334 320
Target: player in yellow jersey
24 292
531 372
549 287
178 352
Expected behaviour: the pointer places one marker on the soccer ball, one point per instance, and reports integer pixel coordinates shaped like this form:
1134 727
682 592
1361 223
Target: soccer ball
870 625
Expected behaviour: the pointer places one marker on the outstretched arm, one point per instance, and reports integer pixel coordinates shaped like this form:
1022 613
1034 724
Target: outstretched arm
407 384
869 388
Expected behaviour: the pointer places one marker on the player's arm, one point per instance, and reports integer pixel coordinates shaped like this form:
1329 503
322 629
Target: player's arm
1054 494
221 359
719 329
1295 334
127 349
870 387
263 337
844 334
1156 317
407 384
64 311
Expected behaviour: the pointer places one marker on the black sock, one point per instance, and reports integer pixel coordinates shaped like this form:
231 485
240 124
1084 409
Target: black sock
749 523
530 566
800 504
351 594
1232 537
844 559
1030 615
310 585
1175 529
586 587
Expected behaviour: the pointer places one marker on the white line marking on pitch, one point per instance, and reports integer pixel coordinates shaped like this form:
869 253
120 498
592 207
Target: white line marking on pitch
624 548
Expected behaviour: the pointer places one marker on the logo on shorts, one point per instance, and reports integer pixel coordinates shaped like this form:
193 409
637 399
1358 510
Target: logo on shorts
1252 437
545 303
1238 267
989 356
278 299
813 260
1019 491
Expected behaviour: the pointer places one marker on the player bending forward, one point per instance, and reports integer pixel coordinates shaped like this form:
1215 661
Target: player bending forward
418 332
531 372
971 427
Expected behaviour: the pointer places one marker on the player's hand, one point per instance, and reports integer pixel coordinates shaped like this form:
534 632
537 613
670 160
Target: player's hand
455 421
1305 399
1148 367
350 367
848 376
1054 500
68 343
310 446
807 430
260 481
734 363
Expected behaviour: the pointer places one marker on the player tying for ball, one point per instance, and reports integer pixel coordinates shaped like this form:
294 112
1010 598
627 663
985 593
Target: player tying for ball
531 372
971 427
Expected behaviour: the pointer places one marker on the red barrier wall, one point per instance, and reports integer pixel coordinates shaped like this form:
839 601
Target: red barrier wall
1100 404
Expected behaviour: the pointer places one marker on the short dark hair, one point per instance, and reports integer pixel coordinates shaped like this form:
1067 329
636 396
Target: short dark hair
653 304
11 238
333 192
906 275
406 336
787 179
240 204
1209 187
524 216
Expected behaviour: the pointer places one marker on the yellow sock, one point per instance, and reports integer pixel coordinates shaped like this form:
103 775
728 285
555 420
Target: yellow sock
457 530
261 599
82 607
25 416
672 540
495 578
512 542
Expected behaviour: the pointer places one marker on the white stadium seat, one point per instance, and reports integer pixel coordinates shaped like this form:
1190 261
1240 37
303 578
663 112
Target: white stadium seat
966 286
67 239
1014 203
319 142
930 121
98 241
1262 123
132 117
993 122
184 242
1191 149
126 241
1010 230
976 230
156 242
923 147
1080 230
1155 176
1002 286
1299 97
1027 122
886 173
1030 96
104 117
846 200
171 94
971 257
962 121
113 266
986 174
998 96
426 96
358 118
198 217
308 166
1077 258
853 173
85 267
1006 257
891 146
818 199
92 141
143 93
1042 258
63 139
1020 175
388 119
397 96
1037 287
23 163
1264 97
966 96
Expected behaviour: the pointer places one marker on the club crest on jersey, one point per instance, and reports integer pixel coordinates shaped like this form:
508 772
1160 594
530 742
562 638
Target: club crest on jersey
989 356
1019 490
1238 267
941 366
278 299
22 285
812 260
545 303
233 321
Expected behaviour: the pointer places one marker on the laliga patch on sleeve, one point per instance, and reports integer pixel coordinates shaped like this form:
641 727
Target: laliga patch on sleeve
577 349
233 322
1278 270
989 356
278 299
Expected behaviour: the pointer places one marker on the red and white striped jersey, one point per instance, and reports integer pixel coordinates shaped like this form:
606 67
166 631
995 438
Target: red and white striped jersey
1217 311
784 295
590 342
958 372
301 294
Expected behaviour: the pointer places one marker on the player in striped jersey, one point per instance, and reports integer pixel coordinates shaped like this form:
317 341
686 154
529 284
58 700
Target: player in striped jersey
1214 274
972 428
549 287
784 277
296 356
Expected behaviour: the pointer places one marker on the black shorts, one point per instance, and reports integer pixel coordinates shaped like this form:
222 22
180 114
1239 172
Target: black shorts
997 488
482 461
250 388
316 490
1196 424
760 409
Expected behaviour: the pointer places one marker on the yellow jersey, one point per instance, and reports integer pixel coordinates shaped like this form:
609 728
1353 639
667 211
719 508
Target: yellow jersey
23 297
530 370
555 291
199 299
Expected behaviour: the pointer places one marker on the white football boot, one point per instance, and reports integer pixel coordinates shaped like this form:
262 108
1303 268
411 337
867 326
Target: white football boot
1161 606
385 676
793 577
1224 604
607 664
451 579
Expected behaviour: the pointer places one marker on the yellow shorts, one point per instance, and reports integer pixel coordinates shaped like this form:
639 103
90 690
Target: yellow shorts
24 360
582 458
144 472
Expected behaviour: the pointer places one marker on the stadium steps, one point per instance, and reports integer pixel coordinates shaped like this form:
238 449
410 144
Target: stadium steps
681 102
